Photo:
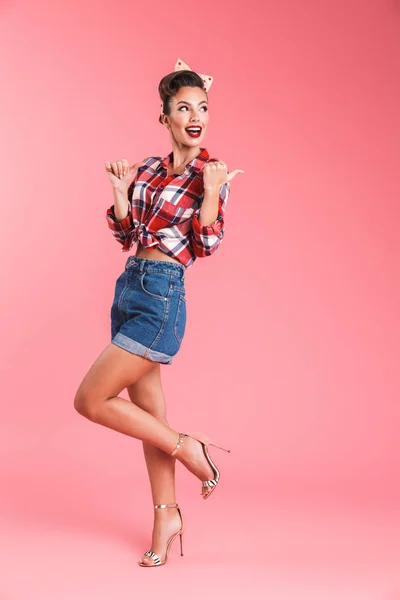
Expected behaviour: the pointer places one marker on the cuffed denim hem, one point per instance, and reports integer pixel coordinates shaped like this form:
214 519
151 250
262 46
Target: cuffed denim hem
135 347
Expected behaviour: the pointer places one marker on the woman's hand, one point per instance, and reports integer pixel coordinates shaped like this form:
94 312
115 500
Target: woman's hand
121 174
215 174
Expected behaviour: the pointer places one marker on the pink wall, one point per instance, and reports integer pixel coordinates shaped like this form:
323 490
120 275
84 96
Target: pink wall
293 327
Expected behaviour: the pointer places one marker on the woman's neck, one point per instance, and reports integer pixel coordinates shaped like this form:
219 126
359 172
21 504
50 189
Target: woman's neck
180 159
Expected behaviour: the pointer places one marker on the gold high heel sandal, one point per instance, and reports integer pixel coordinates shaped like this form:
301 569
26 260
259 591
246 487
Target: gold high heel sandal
157 560
207 487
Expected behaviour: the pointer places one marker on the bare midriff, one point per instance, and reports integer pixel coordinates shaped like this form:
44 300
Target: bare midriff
154 254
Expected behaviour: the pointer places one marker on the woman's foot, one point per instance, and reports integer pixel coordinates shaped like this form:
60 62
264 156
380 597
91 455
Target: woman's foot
191 455
166 523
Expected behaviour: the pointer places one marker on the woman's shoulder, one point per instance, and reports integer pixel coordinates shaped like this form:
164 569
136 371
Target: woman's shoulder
151 161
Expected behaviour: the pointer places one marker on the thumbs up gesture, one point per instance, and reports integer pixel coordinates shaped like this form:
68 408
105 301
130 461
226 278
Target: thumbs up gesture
215 174
121 174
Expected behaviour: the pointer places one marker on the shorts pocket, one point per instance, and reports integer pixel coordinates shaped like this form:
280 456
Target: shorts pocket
155 284
180 319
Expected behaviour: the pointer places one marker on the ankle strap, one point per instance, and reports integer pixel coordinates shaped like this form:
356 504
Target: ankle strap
179 444
172 505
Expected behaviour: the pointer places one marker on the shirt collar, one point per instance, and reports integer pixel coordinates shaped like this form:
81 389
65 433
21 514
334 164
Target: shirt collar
195 165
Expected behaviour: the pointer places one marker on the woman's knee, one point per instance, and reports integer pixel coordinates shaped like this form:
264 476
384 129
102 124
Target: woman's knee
85 405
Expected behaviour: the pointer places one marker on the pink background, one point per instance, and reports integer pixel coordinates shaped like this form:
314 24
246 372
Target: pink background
292 345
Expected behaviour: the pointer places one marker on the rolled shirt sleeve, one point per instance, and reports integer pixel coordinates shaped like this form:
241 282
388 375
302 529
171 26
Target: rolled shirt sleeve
206 239
122 230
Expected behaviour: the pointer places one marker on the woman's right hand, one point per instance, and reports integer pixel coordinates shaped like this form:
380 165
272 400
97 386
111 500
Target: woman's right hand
121 174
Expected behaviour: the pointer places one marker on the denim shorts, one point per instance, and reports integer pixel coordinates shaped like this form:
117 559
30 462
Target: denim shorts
148 313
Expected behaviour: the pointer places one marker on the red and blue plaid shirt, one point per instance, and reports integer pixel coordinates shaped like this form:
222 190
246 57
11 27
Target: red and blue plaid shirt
164 211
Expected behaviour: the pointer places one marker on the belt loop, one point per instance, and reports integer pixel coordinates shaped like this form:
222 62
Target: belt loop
141 266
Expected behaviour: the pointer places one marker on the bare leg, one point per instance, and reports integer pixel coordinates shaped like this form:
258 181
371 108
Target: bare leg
147 393
97 400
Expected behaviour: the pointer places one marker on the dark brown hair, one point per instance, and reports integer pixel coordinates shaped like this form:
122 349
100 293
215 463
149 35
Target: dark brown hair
171 83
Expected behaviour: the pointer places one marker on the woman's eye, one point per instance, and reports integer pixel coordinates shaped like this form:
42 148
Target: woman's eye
206 108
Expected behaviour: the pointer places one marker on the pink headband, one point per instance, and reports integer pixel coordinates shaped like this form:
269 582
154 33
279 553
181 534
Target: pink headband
182 66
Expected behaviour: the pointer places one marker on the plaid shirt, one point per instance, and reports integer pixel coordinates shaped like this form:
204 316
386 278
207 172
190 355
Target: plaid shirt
164 211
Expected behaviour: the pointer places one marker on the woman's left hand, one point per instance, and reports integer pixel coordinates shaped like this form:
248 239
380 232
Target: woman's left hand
215 174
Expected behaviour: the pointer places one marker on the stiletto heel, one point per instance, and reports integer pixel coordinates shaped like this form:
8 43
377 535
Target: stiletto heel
157 562
181 544
209 485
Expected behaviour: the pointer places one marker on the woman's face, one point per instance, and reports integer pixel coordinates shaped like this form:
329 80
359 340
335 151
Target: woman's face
189 108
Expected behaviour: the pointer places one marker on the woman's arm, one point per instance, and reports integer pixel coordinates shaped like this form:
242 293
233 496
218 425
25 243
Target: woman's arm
121 204
119 218
209 207
208 225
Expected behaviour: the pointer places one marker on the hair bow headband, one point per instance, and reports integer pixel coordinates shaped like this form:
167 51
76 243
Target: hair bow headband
182 66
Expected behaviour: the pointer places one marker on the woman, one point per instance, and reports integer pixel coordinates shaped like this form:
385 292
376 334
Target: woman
173 207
